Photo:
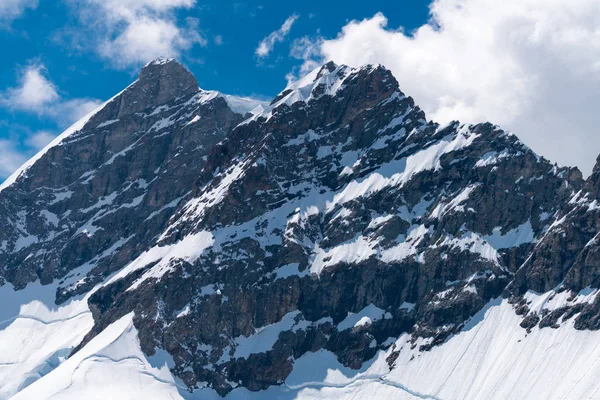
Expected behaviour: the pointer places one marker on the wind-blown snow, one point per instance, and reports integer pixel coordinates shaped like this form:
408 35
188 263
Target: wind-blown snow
397 173
366 316
36 335
188 249
110 366
265 337
244 105
513 238
237 104
492 358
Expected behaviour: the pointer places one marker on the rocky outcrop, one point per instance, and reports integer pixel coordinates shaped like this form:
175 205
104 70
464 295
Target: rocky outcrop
566 260
95 201
337 218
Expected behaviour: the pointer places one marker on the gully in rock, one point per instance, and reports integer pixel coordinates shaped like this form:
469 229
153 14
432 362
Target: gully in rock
238 239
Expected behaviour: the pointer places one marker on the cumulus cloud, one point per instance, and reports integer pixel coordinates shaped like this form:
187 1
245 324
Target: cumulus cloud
128 33
268 43
35 93
532 66
13 9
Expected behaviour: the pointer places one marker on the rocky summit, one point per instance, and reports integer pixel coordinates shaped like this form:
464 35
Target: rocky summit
331 243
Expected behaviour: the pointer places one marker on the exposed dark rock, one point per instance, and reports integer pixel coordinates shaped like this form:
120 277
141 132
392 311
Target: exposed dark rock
339 218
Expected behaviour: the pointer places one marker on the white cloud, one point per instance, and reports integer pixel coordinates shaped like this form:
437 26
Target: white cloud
268 43
10 158
129 33
36 94
13 9
532 66
39 140
15 151
144 40
69 111
309 50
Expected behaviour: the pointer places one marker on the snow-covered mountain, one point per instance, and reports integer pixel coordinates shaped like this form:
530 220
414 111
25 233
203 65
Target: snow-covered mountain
331 244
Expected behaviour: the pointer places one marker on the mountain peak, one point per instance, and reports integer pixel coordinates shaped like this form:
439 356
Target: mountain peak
334 227
331 78
159 82
167 73
327 68
161 61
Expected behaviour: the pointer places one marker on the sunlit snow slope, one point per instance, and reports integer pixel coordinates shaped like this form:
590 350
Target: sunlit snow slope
493 358
331 244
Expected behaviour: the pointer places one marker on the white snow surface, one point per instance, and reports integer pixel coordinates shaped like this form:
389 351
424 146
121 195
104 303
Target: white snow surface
362 248
265 337
513 238
366 316
35 334
492 358
303 90
187 249
238 104
474 243
397 173
244 105
110 366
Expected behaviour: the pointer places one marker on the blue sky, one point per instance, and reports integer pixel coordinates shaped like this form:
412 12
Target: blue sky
224 59
531 66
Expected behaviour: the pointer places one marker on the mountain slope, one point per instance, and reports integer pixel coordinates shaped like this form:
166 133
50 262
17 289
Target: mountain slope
105 187
93 198
494 359
312 211
335 226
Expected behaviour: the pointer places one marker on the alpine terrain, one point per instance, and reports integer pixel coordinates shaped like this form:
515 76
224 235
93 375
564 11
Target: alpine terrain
331 244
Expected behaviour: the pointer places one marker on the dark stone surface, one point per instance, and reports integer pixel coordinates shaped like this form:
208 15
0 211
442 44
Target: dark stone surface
284 190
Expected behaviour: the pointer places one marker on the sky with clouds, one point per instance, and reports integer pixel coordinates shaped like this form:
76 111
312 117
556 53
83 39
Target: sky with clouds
531 66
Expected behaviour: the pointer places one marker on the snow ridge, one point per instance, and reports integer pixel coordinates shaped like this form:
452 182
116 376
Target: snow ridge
398 229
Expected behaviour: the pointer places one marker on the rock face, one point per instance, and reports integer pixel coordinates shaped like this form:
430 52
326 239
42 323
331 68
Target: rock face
99 198
565 260
336 217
